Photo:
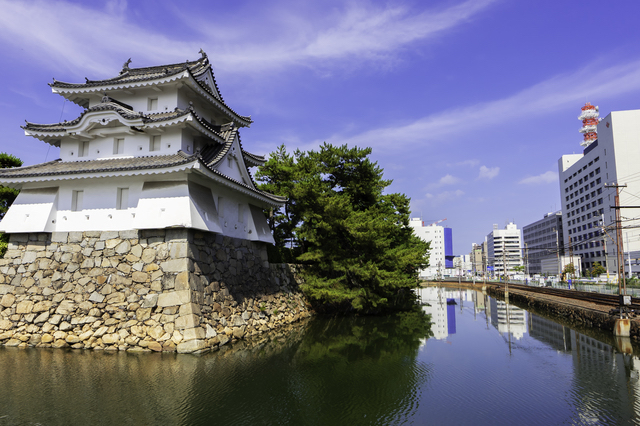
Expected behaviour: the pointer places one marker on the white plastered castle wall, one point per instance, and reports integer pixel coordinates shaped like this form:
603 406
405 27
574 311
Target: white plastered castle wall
139 99
152 202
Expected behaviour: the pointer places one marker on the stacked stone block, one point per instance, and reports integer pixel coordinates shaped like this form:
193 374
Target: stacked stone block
162 290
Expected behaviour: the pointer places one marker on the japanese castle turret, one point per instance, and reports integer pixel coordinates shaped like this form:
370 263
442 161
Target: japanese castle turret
155 148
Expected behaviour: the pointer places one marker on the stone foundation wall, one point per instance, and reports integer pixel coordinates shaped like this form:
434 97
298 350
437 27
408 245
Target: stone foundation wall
161 290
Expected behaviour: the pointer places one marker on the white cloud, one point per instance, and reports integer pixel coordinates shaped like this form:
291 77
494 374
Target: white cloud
328 38
465 163
488 172
562 91
445 180
448 180
444 196
546 177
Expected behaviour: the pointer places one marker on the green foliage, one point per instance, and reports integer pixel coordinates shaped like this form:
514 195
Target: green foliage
569 269
597 269
355 240
343 339
7 195
4 243
8 161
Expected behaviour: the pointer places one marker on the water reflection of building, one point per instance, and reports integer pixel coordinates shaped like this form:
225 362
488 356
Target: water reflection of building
478 301
442 315
508 318
436 299
555 335
617 373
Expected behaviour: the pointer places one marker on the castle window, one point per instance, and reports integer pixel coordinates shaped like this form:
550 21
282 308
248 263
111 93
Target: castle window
122 202
76 200
220 207
83 150
118 146
240 213
154 143
152 104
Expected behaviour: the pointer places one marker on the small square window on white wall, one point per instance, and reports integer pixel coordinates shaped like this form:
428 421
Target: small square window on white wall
154 143
76 200
152 104
122 203
118 146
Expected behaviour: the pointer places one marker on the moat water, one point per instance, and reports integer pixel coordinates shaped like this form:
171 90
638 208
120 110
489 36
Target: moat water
481 362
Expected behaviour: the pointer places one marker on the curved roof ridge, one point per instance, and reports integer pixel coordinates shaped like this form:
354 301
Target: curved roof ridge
129 72
125 113
256 160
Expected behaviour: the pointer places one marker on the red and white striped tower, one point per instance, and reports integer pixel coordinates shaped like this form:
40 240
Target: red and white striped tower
589 117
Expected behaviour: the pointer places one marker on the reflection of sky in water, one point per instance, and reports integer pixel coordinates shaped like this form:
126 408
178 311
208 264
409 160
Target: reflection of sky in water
521 368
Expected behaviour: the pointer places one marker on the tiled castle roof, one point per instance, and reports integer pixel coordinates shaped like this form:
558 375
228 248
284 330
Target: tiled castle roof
126 112
131 76
58 168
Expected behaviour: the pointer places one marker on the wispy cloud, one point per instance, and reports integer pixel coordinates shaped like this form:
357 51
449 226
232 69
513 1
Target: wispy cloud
546 177
465 163
335 37
444 196
488 172
594 81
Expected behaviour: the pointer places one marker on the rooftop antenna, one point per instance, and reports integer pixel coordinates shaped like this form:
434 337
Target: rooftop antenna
589 117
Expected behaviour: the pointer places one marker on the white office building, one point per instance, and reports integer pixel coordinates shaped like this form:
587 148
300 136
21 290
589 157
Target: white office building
440 257
504 250
587 195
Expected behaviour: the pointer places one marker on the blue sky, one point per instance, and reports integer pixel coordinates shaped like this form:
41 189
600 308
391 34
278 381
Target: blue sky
467 104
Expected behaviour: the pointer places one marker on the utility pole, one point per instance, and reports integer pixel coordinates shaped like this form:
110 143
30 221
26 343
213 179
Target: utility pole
571 254
558 254
629 255
619 245
504 271
622 281
484 265
526 259
604 240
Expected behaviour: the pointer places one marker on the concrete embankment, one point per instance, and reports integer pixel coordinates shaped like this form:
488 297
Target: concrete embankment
587 314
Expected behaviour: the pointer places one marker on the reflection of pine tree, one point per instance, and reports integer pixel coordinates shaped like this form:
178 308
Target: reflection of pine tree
363 367
7 195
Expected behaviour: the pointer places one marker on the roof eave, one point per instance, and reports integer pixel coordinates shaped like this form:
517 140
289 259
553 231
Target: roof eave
227 181
242 121
17 182
90 89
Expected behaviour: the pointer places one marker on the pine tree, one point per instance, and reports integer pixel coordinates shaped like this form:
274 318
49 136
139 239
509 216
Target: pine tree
359 251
